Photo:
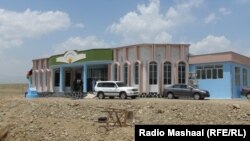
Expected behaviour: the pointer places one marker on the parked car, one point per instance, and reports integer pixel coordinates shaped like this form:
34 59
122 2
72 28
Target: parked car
245 91
183 90
113 89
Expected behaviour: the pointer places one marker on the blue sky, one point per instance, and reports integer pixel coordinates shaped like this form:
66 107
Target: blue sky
35 29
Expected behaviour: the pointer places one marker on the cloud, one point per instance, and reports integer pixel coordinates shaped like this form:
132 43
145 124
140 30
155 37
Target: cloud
211 44
211 18
147 24
16 26
79 25
224 11
78 43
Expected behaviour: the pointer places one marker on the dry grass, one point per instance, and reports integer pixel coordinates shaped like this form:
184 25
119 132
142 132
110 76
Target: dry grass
12 89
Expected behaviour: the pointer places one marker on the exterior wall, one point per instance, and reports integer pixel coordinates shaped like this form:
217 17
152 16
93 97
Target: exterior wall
235 87
144 54
218 88
41 75
225 88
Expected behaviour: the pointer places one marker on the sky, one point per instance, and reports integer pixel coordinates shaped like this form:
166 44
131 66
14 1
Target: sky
36 29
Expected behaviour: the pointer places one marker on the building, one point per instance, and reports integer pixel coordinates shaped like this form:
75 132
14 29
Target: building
150 67
60 73
223 74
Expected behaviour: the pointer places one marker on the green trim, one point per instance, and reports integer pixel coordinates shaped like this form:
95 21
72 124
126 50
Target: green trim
91 55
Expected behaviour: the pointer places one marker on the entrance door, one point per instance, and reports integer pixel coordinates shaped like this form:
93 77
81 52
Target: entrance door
78 82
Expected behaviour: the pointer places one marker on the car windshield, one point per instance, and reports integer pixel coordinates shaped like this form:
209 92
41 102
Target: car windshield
121 84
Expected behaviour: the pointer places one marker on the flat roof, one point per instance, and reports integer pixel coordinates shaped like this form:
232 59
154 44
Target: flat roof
229 56
146 44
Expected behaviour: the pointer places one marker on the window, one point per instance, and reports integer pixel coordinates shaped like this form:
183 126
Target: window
67 79
237 76
181 73
220 70
210 71
109 85
152 73
115 72
125 73
177 86
167 73
245 76
136 73
199 71
57 78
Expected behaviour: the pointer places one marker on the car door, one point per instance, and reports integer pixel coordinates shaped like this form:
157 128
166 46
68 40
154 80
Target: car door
109 88
185 91
112 89
176 90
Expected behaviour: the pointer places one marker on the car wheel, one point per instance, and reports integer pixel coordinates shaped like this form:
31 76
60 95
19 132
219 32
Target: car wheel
123 95
197 96
101 95
248 96
170 96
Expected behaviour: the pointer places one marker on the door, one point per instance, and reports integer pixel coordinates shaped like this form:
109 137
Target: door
185 91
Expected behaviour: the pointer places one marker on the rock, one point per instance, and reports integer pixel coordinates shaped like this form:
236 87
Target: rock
4 132
159 111
236 106
83 117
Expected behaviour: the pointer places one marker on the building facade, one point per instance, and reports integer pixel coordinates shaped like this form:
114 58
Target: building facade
149 67
223 74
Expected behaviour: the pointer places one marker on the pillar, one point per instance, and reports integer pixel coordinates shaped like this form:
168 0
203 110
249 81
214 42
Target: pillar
84 75
52 79
144 77
61 83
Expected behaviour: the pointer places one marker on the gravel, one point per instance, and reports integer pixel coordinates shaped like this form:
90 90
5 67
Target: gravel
63 119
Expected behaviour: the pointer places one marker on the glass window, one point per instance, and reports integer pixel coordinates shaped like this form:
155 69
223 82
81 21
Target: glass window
67 79
182 73
125 75
57 78
237 76
203 74
198 72
121 84
109 85
136 73
210 71
167 73
215 73
245 76
115 72
100 85
220 73
177 86
152 73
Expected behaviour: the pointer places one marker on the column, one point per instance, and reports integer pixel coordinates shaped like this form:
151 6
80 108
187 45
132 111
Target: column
52 74
61 83
84 75
33 78
144 77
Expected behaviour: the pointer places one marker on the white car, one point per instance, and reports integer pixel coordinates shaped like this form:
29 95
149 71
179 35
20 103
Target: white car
113 89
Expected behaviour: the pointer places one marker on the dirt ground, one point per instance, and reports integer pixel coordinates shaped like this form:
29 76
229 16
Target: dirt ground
65 119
